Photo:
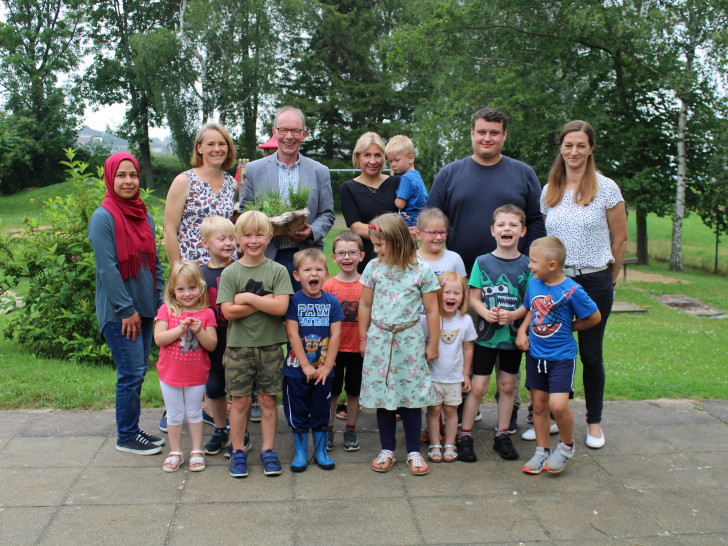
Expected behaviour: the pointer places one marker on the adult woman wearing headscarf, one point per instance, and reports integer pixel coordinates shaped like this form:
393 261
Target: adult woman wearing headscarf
129 291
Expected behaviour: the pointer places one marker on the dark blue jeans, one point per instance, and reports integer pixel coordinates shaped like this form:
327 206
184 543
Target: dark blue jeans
285 258
132 361
599 288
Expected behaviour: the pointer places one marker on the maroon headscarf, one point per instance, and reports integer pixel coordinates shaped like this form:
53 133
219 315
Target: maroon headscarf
135 245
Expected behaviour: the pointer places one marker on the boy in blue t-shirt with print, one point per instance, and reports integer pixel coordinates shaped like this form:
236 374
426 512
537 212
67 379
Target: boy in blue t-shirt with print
411 192
547 333
313 325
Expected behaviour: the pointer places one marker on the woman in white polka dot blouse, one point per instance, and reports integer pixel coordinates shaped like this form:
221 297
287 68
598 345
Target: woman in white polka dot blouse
583 209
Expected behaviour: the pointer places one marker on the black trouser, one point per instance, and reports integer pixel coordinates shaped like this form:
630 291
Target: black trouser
599 288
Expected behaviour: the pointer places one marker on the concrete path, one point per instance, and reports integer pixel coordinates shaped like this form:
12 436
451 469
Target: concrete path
661 479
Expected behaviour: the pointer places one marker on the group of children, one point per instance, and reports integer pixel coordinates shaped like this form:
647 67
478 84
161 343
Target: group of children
400 337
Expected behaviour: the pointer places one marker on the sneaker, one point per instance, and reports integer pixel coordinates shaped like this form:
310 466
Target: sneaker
220 439
513 425
271 464
529 417
246 444
535 464
151 438
163 422
330 440
139 445
239 464
255 414
351 440
530 434
558 459
466 453
479 416
207 419
504 446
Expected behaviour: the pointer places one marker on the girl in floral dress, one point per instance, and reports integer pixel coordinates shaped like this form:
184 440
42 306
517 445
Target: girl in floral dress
396 379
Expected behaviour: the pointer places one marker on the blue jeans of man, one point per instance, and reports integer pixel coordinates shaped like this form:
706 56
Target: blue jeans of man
132 361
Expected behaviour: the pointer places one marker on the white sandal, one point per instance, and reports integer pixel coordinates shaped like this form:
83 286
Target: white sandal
434 453
384 461
173 461
451 453
417 465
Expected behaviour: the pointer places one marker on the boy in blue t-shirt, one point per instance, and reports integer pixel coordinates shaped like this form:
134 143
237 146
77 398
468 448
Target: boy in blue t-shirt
313 325
547 333
411 192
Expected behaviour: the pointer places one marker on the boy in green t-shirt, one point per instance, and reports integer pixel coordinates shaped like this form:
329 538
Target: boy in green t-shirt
253 295
497 286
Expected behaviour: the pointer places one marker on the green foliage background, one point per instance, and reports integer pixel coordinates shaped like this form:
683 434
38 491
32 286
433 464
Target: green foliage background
49 274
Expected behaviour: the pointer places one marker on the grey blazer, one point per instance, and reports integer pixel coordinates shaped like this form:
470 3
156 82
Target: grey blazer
262 174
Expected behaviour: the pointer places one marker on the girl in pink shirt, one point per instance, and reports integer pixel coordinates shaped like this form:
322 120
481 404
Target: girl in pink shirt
185 332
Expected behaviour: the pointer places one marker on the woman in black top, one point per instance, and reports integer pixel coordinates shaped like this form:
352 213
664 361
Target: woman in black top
369 194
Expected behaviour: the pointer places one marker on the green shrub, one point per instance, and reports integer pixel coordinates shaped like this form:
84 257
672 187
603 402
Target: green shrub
49 272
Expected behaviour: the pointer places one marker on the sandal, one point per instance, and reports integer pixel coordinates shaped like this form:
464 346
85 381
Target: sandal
341 411
451 453
434 453
197 462
384 461
417 465
173 461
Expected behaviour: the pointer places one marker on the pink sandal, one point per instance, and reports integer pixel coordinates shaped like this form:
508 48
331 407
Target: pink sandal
173 461
197 462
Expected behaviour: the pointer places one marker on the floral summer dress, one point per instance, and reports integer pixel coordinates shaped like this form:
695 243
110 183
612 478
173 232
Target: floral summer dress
395 370
201 203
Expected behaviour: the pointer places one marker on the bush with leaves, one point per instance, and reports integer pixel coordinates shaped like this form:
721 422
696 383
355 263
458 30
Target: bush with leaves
48 272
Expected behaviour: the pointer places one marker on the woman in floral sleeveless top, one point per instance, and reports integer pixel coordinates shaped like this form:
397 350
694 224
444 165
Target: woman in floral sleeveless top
206 190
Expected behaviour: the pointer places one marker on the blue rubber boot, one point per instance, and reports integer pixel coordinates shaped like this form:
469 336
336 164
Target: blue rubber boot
320 454
300 443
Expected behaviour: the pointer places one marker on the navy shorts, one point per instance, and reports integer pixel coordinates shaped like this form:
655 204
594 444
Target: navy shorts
552 376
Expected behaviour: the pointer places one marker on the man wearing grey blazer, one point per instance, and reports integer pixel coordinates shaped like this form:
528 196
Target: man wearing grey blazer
286 168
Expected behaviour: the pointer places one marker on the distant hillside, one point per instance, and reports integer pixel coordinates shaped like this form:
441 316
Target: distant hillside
119 144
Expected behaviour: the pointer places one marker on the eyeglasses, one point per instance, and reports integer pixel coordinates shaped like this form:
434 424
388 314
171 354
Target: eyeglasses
343 253
436 232
295 132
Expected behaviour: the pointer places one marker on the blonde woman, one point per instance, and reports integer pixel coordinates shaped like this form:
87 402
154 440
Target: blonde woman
369 194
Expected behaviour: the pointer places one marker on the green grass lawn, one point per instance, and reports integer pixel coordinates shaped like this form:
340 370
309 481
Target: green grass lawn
698 242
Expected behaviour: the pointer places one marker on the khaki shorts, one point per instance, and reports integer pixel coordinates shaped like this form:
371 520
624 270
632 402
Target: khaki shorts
245 365
450 394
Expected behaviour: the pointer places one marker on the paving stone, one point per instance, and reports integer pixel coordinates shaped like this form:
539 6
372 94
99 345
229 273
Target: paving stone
234 523
24 525
716 408
586 516
36 486
699 511
109 525
109 485
215 485
657 471
697 436
65 451
351 521
666 412
347 481
14 422
70 423
476 519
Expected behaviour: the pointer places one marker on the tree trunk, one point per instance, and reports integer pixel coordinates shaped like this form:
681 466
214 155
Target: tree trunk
643 255
677 221
717 242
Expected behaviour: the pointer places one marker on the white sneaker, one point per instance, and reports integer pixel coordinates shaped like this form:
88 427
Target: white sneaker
530 434
595 443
